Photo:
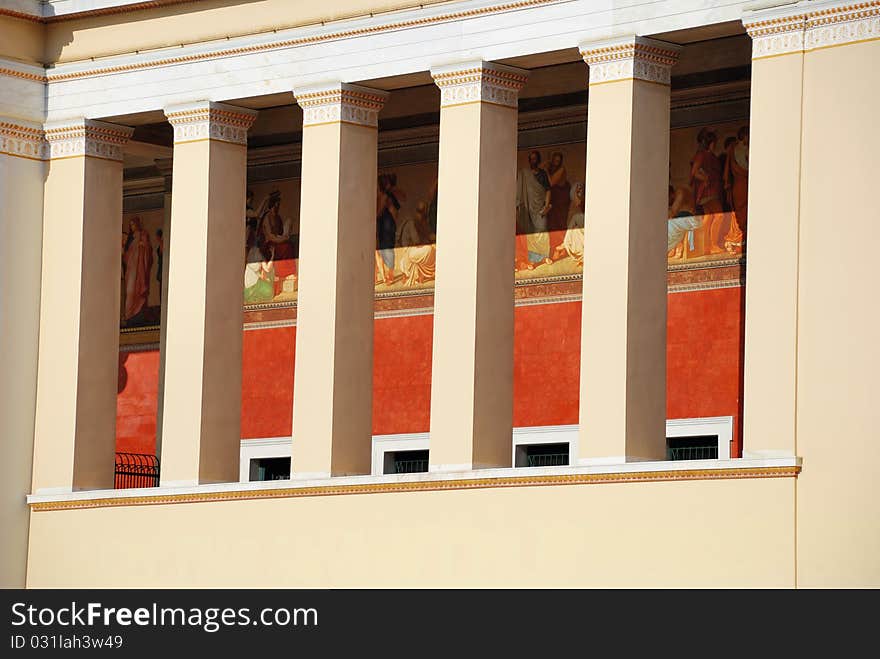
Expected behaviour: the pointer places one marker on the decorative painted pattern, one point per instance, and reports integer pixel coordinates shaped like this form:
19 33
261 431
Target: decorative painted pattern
634 58
425 486
87 138
805 31
211 121
12 73
841 25
341 102
306 41
23 141
483 82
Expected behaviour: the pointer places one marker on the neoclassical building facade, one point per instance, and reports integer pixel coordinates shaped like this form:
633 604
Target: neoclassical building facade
376 295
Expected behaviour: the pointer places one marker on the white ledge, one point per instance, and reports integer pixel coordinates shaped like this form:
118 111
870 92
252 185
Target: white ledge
525 473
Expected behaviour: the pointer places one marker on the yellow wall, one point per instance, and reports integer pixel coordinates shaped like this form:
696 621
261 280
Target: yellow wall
676 533
189 23
838 420
22 40
21 231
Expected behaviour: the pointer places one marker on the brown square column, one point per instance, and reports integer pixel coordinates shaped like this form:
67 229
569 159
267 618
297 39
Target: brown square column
623 335
201 415
333 378
472 367
75 429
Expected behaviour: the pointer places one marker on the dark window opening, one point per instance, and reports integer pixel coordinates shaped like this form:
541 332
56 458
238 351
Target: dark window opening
406 462
270 469
542 455
704 447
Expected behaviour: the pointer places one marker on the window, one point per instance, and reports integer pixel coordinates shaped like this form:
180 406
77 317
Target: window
405 462
270 469
542 455
703 447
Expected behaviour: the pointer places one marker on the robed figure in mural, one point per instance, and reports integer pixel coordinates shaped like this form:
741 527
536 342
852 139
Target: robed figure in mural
277 234
560 202
708 188
736 183
419 253
533 202
137 261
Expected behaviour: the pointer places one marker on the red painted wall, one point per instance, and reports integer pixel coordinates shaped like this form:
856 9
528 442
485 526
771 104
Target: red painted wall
704 369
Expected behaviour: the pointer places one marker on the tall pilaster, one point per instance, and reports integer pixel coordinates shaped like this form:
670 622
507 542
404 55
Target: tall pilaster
75 432
201 413
333 378
623 335
472 367
22 172
770 366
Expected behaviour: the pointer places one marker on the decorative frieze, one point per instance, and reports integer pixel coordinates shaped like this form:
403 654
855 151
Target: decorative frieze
843 24
630 58
23 140
801 31
86 137
340 102
206 120
478 81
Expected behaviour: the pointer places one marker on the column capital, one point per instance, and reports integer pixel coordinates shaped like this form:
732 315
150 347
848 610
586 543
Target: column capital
23 139
630 58
479 81
207 120
86 137
803 27
340 102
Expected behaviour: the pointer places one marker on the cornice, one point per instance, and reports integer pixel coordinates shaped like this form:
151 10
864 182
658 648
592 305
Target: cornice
314 38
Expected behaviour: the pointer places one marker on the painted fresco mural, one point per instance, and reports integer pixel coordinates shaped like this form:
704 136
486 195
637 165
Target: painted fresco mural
707 222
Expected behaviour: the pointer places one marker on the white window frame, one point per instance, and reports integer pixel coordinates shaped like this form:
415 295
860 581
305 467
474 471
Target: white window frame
279 447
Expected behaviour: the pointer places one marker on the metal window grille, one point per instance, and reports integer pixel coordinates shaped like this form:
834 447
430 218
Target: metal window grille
136 470
547 459
410 466
705 452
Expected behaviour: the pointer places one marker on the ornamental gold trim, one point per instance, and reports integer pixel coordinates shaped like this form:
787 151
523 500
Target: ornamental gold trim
87 138
630 58
12 73
340 103
210 121
305 41
426 486
479 82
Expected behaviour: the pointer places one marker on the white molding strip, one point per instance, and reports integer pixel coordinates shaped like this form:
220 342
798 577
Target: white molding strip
641 471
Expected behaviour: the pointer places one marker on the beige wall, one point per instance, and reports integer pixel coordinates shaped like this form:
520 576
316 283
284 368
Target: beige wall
22 40
838 398
187 23
21 231
771 289
680 533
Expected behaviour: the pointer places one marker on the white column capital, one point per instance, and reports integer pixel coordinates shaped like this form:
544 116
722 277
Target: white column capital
23 139
630 58
207 120
87 137
810 26
479 81
340 102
